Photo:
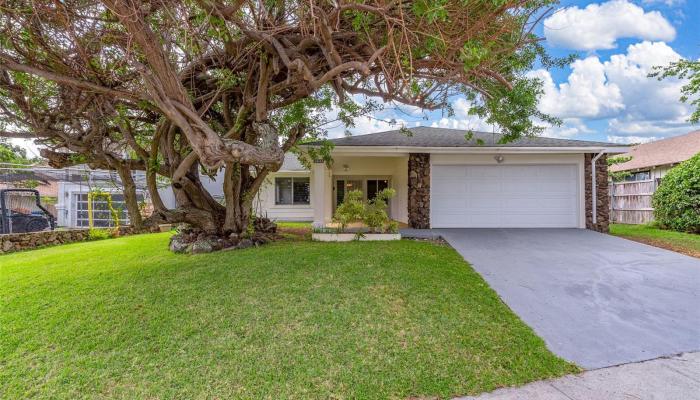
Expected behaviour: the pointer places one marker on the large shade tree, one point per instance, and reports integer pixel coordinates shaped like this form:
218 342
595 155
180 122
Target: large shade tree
177 88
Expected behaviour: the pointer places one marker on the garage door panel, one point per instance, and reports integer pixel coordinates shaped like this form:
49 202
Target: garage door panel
454 185
479 171
482 196
451 205
483 186
452 171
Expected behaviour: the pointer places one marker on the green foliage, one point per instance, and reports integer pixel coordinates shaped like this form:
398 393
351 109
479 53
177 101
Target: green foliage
690 92
99 234
373 213
350 210
13 154
617 176
472 54
96 194
513 109
677 199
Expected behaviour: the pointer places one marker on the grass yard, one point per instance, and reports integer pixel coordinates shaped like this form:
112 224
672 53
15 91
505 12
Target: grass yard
686 243
125 318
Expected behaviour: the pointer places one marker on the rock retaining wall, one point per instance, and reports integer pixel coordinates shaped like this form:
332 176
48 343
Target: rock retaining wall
26 241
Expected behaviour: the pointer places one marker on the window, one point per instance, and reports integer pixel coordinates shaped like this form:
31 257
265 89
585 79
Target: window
375 186
638 176
292 191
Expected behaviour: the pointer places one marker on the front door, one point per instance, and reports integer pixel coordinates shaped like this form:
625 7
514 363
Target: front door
375 186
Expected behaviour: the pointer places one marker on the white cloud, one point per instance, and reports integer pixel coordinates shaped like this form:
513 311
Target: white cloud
586 94
631 139
619 90
571 127
599 26
669 3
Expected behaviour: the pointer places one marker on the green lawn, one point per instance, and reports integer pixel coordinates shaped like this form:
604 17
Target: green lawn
686 243
125 318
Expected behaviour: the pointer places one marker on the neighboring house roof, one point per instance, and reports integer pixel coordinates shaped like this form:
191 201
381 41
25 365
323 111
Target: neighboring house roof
661 152
441 137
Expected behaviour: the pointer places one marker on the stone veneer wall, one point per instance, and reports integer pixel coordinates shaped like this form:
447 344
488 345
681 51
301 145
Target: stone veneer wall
603 206
419 190
26 241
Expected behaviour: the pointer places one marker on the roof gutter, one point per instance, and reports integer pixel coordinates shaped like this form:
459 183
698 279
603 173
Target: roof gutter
594 187
369 150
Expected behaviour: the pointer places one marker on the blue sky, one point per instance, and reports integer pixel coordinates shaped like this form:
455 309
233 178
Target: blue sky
605 94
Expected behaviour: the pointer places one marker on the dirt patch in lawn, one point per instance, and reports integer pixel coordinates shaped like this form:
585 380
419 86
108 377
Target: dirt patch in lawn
664 245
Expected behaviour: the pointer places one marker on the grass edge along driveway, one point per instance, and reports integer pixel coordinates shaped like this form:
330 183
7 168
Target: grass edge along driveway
125 318
681 242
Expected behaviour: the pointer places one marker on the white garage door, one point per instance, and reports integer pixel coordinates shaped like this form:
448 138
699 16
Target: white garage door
504 196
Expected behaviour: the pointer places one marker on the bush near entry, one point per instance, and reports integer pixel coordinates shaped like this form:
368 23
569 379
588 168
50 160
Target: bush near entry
677 199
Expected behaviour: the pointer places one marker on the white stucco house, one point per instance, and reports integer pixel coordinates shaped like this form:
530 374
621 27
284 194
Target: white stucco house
443 180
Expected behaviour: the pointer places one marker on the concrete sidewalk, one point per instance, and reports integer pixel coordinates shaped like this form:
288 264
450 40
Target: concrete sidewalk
663 379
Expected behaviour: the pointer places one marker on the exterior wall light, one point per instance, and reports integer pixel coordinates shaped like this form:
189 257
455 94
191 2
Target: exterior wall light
499 158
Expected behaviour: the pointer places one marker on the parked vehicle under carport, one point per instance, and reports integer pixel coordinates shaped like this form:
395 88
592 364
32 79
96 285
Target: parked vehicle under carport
21 211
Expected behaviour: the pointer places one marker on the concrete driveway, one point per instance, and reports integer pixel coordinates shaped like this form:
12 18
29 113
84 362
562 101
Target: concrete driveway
596 299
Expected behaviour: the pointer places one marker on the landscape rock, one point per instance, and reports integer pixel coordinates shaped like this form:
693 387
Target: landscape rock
179 244
203 245
244 244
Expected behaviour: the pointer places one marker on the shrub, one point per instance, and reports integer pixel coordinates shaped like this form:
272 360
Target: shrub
373 214
351 209
677 199
99 234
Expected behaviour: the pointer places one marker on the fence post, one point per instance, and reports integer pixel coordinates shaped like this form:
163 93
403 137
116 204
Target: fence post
612 202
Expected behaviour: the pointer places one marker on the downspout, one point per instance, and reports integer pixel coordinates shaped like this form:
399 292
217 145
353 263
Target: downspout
594 194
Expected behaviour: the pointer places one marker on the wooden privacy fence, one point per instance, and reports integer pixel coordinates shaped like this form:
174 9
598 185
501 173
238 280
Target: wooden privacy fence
630 202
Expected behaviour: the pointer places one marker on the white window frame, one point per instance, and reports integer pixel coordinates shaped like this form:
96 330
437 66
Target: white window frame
308 179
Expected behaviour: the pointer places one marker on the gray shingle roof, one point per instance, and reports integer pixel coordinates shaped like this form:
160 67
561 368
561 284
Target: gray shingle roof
662 152
441 137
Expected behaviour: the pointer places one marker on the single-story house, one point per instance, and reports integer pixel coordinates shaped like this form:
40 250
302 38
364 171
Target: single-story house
651 161
443 180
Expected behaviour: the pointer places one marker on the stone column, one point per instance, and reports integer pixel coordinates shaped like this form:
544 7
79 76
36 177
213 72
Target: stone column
419 190
603 204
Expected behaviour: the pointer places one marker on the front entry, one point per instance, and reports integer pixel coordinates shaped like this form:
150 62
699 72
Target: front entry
369 187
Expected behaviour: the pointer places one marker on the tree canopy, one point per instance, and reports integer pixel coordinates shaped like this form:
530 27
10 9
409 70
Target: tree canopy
182 86
690 92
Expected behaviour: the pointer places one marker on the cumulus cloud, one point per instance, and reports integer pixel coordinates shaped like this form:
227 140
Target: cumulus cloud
586 94
670 3
619 90
571 127
631 139
462 119
599 26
